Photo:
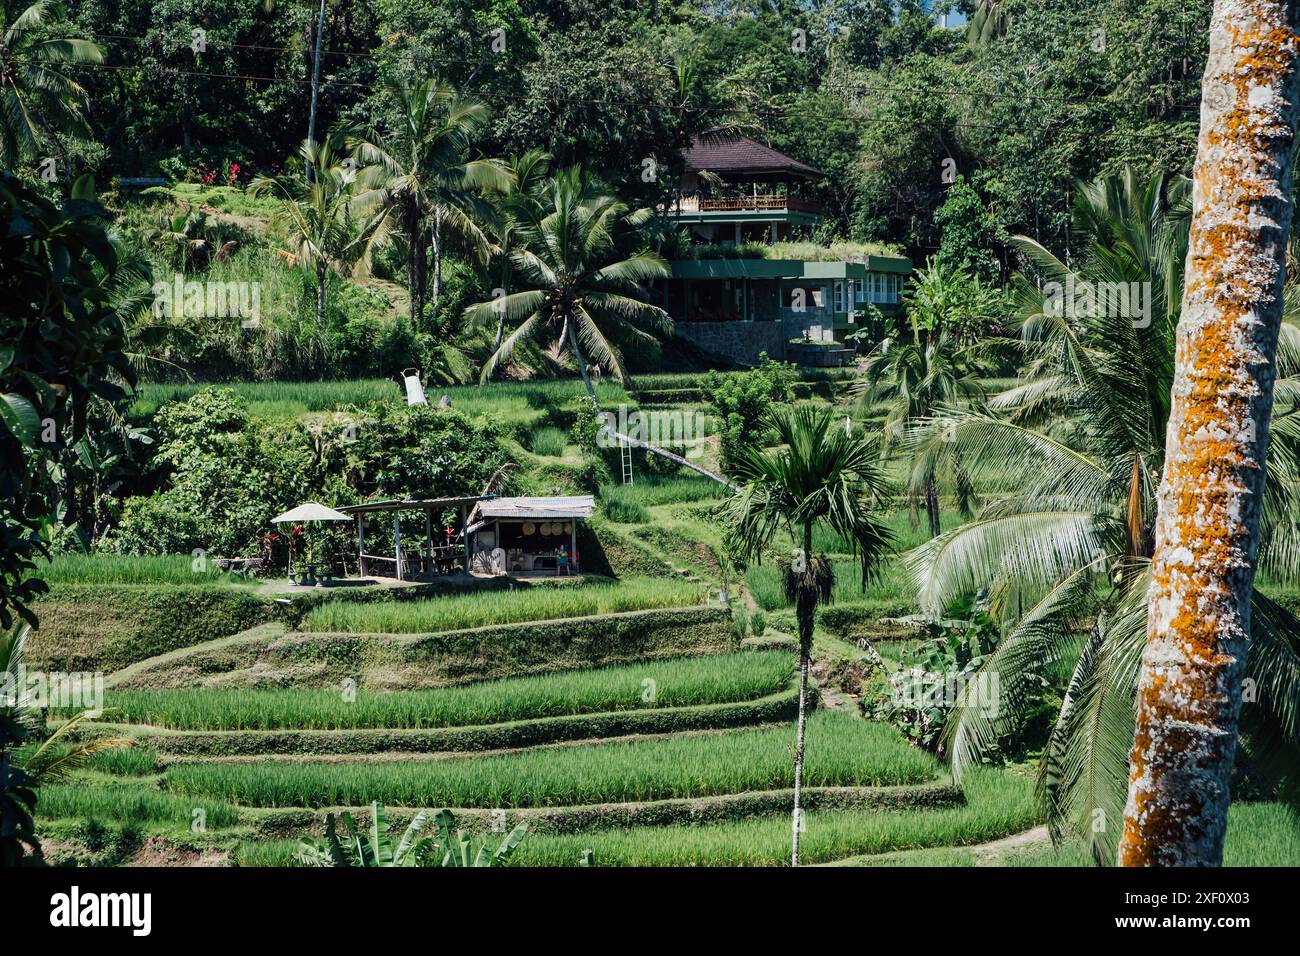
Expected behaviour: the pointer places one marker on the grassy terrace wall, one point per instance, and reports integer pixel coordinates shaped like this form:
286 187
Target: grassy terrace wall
106 626
393 661
101 626
775 708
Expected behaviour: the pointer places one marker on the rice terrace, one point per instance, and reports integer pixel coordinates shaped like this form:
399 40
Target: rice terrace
592 434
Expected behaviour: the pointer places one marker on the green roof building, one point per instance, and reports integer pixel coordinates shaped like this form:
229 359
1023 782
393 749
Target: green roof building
738 193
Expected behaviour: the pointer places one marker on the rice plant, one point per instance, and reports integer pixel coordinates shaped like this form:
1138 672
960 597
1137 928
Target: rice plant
132 569
679 682
450 613
997 804
549 441
129 804
844 751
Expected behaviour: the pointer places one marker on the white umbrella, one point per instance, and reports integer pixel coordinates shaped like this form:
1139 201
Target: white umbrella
308 511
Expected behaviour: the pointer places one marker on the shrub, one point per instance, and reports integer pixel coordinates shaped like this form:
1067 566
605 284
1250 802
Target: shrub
741 400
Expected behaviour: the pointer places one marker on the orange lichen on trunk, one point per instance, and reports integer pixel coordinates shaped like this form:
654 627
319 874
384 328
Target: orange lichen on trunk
1189 696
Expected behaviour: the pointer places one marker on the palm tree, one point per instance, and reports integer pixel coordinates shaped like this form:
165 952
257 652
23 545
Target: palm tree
577 291
914 376
1208 521
527 175
37 99
317 216
1065 555
418 183
818 474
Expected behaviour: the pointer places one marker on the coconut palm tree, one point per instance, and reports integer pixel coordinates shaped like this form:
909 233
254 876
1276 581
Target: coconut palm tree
576 288
915 374
819 473
418 184
1065 556
38 100
527 175
1209 510
317 216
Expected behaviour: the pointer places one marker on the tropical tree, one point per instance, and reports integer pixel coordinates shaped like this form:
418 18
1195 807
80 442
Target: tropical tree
527 175
421 189
317 216
1212 494
916 374
578 289
38 100
1064 557
819 473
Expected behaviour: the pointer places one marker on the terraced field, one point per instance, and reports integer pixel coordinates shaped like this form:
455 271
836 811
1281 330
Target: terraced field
678 761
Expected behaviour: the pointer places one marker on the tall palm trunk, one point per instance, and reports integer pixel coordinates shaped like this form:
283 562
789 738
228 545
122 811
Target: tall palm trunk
805 611
416 264
321 281
1189 695
435 294
932 506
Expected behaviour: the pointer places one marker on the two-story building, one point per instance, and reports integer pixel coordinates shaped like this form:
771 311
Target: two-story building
744 294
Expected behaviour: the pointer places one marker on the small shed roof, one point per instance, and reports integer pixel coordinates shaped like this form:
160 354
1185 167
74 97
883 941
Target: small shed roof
565 506
411 504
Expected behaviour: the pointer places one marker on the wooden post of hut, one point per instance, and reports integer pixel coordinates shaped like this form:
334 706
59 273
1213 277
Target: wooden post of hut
464 534
397 543
361 545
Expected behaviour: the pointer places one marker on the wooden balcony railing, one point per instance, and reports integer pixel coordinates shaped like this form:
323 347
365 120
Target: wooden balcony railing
688 204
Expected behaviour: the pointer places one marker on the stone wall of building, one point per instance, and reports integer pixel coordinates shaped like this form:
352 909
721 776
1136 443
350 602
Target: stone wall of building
736 342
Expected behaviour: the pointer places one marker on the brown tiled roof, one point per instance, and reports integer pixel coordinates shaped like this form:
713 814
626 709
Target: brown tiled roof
728 154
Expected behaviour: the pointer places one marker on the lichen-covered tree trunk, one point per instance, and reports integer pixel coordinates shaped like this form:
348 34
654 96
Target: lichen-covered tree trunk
1189 694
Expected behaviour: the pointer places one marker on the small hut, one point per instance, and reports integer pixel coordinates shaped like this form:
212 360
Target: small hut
533 535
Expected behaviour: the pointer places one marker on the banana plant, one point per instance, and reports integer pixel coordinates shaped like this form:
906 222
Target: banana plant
375 846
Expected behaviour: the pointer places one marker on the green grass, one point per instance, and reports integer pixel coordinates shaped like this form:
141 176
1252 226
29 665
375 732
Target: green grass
262 853
435 615
997 804
652 490
549 441
681 682
621 505
276 399
842 751
1259 834
129 803
131 569
125 761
